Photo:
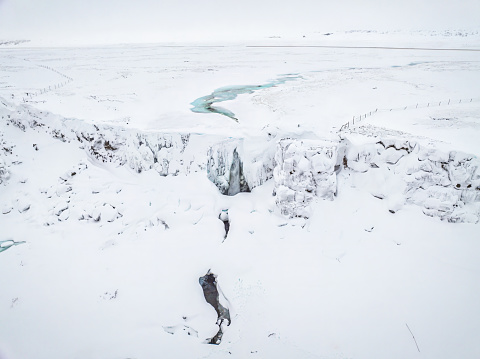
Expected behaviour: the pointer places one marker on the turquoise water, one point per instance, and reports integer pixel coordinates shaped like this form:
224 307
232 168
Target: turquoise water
205 104
4 245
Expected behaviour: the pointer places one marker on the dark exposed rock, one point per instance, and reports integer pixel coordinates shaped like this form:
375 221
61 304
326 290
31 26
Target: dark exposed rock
212 296
226 221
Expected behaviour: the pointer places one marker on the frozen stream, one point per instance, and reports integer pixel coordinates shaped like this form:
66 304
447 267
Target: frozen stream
205 104
4 245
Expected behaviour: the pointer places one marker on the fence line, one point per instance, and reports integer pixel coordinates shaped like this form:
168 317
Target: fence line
356 119
31 95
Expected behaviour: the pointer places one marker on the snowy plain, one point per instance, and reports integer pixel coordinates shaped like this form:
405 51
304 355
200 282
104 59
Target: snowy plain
344 248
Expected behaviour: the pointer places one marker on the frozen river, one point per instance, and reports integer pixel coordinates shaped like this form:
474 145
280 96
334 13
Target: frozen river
205 104
152 87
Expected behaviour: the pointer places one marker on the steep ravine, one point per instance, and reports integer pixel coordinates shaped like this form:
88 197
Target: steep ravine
393 166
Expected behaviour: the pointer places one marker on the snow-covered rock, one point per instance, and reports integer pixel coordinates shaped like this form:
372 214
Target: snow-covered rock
443 188
4 171
104 213
305 169
6 208
6 151
140 150
109 213
446 184
23 205
60 207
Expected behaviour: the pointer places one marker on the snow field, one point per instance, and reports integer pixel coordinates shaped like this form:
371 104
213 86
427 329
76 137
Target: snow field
115 199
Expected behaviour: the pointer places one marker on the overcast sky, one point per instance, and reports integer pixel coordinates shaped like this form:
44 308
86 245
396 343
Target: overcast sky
99 21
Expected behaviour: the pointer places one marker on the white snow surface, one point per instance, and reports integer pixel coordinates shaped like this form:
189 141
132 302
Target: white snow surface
359 237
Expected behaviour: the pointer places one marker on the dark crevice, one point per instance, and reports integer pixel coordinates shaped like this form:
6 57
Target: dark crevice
393 146
226 222
227 227
212 296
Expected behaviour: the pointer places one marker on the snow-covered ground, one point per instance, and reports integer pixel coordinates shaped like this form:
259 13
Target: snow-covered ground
358 238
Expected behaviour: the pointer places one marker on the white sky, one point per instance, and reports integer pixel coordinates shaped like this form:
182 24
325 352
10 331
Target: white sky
191 20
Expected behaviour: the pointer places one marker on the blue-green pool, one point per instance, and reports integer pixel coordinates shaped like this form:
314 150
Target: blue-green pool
205 104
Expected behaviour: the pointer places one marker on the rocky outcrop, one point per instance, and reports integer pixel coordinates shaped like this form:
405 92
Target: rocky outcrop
305 169
6 151
4 171
391 165
163 152
445 184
